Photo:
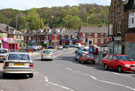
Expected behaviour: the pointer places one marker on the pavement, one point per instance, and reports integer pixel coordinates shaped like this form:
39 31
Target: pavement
65 74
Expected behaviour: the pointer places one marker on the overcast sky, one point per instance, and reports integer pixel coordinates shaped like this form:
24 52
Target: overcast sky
27 4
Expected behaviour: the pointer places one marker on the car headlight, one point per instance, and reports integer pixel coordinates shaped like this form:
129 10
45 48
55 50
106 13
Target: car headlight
127 65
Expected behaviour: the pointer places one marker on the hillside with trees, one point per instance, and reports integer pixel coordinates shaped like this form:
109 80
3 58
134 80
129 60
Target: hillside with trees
72 17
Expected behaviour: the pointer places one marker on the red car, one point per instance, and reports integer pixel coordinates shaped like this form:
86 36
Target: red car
119 62
87 58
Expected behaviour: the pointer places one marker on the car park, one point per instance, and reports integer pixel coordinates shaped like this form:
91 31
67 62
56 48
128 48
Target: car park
87 58
118 62
3 54
18 63
47 54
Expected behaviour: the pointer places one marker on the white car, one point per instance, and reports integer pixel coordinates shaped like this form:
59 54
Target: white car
60 47
47 54
18 63
3 54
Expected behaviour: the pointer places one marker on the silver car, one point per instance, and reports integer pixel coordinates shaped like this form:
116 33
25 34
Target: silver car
47 54
18 63
3 54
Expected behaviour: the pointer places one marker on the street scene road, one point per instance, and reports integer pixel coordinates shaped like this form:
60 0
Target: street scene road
65 74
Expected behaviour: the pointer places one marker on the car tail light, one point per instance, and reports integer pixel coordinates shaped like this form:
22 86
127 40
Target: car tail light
6 64
31 65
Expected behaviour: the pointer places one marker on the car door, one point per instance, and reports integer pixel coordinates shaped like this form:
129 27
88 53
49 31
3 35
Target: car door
109 61
114 63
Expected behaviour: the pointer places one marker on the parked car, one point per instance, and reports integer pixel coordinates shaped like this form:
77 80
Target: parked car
35 48
77 45
18 63
65 46
71 45
87 58
60 47
51 47
118 62
3 54
47 55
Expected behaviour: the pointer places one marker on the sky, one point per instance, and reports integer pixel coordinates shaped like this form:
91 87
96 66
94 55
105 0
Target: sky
28 4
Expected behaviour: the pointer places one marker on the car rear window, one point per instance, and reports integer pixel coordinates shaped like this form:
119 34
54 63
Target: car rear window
3 51
90 56
18 57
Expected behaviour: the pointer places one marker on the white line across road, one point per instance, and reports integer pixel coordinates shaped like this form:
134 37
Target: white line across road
121 75
57 85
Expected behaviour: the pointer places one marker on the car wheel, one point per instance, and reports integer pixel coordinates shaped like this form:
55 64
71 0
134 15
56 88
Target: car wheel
82 62
119 69
93 62
31 75
5 75
105 67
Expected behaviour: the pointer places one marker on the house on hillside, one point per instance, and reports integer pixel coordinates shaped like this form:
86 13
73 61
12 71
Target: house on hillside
93 35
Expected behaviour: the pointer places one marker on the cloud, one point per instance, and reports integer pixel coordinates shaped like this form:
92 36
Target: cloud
27 4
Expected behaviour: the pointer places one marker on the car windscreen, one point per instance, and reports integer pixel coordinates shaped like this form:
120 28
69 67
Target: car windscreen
124 58
3 51
90 56
46 52
18 57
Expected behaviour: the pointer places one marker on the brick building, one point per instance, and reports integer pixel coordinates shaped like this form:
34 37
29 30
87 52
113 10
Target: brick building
122 26
93 35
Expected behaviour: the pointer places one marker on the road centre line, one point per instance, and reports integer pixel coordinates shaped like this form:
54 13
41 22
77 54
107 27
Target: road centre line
68 68
57 85
103 81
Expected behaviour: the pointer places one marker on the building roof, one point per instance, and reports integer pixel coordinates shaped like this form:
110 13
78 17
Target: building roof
70 32
94 30
57 31
4 29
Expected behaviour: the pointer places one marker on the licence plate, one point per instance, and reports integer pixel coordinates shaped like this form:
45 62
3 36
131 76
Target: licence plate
1 56
18 64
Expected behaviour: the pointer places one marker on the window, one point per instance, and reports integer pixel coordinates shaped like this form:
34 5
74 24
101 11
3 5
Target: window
119 26
83 34
20 37
110 58
110 29
95 41
16 36
90 34
102 41
131 20
95 35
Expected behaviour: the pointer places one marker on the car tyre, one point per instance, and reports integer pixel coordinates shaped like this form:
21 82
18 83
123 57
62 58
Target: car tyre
119 69
82 62
31 75
93 62
5 75
105 67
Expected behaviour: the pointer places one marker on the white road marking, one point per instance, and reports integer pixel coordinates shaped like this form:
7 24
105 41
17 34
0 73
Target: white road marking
121 75
57 85
93 77
68 68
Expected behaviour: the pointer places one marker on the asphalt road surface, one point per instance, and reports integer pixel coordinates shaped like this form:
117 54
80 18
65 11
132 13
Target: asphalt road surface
65 74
